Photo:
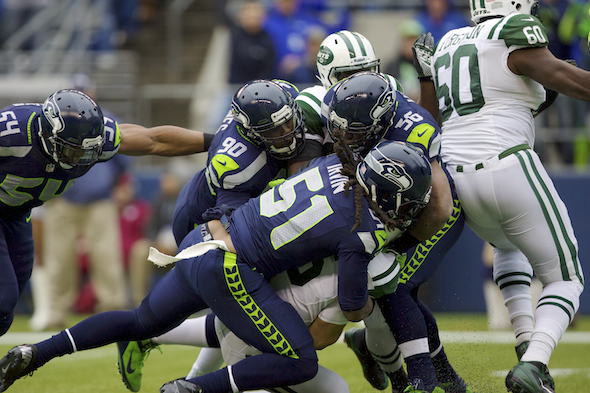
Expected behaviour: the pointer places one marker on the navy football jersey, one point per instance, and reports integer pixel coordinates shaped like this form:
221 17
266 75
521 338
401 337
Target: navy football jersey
28 176
306 218
236 171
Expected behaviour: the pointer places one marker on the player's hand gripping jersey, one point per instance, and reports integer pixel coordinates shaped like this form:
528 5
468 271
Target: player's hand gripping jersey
471 73
28 176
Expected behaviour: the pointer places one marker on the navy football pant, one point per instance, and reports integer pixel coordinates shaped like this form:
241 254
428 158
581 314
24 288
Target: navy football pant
16 264
241 298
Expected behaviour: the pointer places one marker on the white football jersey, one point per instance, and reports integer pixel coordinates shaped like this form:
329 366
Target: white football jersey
476 89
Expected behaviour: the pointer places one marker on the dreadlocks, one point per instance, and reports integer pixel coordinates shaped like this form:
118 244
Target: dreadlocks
349 164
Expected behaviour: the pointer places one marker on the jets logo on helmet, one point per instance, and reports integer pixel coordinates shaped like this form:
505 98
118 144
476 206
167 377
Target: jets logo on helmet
325 56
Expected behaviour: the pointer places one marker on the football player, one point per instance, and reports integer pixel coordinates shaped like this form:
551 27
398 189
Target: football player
508 197
366 108
309 216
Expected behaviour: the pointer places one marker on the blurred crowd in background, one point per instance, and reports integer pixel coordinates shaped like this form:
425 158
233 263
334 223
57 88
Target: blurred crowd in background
259 39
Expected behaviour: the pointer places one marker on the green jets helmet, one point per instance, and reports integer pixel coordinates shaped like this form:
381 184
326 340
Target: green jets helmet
343 54
485 8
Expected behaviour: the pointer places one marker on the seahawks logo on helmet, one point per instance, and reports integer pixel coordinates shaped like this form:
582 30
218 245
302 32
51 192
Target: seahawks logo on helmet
53 115
392 171
397 174
384 103
240 116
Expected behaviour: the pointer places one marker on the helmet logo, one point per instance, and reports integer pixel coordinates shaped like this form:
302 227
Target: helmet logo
240 116
392 171
325 55
53 115
384 103
396 174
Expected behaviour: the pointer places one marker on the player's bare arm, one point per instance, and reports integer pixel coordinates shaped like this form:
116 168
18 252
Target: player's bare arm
166 140
428 98
439 208
540 64
324 333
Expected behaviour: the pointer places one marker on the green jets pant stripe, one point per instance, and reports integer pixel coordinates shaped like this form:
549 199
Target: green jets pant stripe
423 249
243 298
548 205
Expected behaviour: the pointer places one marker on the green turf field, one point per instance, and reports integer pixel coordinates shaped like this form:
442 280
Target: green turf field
482 358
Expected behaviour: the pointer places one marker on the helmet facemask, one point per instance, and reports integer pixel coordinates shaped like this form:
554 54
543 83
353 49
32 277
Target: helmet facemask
285 139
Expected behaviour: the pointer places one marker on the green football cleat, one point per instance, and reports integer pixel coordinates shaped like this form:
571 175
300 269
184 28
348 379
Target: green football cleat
417 386
373 373
521 349
456 386
530 377
132 355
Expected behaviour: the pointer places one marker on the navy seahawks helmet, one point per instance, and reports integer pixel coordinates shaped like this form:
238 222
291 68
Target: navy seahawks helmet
71 127
270 118
362 108
397 176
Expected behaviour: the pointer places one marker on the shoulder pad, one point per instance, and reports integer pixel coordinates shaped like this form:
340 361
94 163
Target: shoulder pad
522 30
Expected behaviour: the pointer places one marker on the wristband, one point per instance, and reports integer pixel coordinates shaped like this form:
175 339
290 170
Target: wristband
207 139
403 243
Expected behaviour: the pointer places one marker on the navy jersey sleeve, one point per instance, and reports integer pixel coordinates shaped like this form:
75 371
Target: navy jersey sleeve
112 139
352 280
415 125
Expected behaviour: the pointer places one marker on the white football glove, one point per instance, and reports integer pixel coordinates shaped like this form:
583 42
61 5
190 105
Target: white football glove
383 272
423 50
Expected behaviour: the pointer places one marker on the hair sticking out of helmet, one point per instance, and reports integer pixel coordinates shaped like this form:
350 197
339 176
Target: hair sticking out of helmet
481 9
396 176
342 54
71 127
270 118
362 110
